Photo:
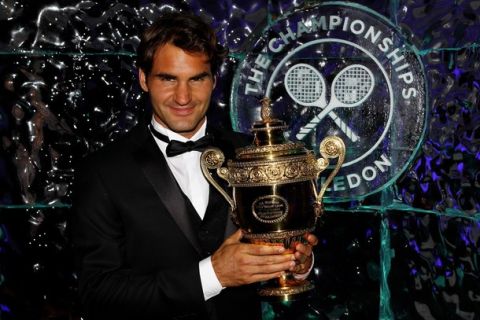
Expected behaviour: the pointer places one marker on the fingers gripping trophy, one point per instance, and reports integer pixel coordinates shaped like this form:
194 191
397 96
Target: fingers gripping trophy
274 196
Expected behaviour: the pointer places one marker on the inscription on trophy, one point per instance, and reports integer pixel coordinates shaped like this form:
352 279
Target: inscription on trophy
270 209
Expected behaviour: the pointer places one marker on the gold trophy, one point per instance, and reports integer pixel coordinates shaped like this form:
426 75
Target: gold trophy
274 194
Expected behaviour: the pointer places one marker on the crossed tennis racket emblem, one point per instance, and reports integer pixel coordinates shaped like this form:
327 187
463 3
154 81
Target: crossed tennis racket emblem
350 88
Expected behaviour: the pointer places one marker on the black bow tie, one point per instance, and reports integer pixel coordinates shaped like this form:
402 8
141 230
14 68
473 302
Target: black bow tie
174 147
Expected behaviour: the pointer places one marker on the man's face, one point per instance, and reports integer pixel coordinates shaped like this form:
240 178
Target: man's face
180 85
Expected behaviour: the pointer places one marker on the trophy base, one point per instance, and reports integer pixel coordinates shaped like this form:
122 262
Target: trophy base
285 288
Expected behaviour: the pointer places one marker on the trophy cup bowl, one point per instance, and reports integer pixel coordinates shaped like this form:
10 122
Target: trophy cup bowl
274 197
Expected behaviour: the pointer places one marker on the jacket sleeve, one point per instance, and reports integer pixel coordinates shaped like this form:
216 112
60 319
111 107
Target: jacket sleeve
108 288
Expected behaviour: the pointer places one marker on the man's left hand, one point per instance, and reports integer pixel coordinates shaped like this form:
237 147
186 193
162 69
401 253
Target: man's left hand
303 254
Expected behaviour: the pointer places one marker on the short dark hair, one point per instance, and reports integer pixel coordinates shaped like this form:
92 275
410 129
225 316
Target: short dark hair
184 30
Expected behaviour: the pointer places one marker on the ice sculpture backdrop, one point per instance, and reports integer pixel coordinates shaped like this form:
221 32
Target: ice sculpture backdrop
68 86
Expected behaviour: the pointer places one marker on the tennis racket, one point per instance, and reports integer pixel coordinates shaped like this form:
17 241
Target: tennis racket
350 88
306 86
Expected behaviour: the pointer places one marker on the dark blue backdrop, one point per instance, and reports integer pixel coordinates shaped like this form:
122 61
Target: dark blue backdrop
69 87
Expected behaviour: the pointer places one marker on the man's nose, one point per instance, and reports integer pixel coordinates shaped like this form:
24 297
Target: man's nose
183 94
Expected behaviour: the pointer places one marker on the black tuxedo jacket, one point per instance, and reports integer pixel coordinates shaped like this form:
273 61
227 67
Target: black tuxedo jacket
137 246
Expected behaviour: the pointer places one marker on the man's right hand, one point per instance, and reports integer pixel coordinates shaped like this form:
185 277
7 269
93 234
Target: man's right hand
236 263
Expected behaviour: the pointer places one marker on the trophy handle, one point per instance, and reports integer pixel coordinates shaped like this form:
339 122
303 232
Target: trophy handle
213 158
331 147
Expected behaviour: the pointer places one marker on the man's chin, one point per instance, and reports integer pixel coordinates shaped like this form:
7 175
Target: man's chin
185 130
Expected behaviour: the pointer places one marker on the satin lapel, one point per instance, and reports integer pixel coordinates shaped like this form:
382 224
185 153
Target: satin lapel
227 142
157 172
230 228
218 212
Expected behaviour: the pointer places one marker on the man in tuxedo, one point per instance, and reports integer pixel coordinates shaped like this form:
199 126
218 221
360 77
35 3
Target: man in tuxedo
153 239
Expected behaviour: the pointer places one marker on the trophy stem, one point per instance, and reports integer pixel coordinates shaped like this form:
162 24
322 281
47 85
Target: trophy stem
285 288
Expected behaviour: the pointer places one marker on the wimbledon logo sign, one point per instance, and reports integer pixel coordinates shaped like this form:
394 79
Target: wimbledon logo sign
339 69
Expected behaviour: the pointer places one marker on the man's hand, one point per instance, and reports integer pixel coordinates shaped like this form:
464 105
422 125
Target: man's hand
237 263
303 254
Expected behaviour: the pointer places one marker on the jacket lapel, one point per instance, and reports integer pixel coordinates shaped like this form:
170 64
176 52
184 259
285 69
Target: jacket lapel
157 172
227 142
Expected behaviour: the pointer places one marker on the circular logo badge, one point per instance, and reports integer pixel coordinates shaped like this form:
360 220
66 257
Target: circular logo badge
343 70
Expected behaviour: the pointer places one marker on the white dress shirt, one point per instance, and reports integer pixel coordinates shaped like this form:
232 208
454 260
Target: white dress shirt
187 171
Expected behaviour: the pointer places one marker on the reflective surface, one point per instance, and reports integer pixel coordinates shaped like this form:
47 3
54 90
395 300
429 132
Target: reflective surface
69 86
435 272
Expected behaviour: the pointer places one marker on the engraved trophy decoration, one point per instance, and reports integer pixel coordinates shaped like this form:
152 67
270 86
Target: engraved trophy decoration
274 195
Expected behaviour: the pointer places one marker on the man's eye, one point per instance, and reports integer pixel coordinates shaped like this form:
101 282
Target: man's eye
197 79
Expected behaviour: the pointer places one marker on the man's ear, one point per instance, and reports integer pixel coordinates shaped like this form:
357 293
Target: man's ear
142 79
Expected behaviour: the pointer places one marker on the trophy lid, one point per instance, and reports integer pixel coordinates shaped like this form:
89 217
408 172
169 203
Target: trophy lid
269 140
